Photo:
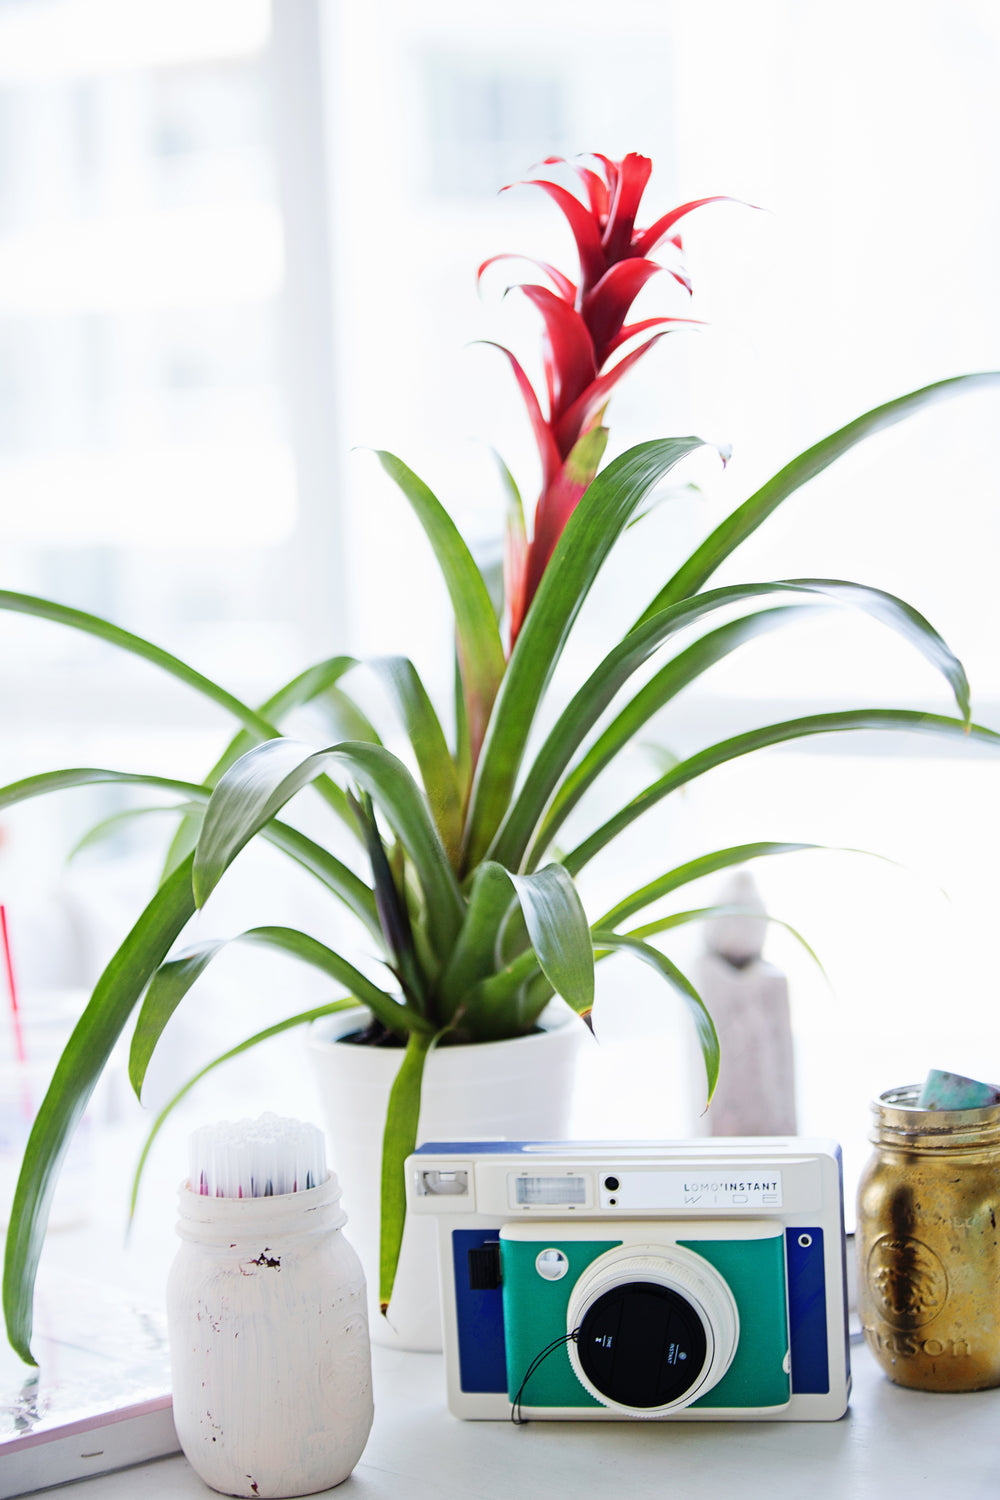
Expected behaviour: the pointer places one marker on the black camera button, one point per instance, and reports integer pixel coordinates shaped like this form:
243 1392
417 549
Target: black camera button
484 1267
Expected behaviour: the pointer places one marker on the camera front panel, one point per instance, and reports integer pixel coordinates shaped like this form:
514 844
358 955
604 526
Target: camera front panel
658 1360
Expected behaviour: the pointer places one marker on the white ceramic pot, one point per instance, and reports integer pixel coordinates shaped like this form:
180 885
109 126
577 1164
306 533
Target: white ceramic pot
520 1089
269 1349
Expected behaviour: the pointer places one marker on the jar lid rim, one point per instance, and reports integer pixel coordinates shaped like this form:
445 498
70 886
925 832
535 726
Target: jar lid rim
310 1210
904 1098
897 1114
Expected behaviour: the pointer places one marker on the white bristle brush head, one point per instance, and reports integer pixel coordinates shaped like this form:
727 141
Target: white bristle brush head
260 1158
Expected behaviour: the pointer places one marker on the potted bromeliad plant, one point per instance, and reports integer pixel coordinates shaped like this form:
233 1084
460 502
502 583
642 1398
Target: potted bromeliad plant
478 922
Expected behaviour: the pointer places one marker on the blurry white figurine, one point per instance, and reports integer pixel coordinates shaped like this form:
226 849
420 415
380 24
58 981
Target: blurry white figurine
748 1001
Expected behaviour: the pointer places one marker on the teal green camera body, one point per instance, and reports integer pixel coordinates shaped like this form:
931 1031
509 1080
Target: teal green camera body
628 1340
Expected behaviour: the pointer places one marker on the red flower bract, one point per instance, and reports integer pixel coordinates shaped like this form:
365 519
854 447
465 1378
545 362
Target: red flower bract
584 326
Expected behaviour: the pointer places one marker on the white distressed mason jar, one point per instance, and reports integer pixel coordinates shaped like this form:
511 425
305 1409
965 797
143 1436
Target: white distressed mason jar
269 1342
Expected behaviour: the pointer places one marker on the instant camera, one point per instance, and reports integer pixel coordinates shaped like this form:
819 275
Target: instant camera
692 1280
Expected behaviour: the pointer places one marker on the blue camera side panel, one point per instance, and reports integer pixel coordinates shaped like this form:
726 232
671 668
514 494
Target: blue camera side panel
482 1359
807 1311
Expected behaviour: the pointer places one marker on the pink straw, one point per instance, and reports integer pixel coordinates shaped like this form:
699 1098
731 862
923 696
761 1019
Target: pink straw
15 1014
22 1056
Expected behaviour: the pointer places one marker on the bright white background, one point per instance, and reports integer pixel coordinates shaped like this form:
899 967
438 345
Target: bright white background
236 249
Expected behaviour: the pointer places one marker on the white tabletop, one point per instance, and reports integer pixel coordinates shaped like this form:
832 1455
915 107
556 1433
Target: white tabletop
892 1442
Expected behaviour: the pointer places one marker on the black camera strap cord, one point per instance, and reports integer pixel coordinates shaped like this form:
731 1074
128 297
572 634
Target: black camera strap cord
559 1343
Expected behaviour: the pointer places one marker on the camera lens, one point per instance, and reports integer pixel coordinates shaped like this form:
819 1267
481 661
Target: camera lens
612 1184
642 1345
654 1326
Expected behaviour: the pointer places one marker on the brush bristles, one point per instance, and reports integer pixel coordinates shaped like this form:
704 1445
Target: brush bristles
256 1158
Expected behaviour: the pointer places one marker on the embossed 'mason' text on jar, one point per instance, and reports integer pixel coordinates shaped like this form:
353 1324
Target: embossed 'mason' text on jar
929 1246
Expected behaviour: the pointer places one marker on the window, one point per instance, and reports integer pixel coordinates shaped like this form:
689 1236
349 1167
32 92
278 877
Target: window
846 288
192 348
484 121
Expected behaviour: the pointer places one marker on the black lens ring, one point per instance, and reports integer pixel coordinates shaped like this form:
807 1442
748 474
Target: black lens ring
642 1345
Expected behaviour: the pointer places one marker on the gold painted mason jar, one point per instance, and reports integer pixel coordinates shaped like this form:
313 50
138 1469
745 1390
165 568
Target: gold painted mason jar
928 1244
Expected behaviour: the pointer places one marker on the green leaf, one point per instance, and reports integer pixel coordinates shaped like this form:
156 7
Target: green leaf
711 914
57 781
515 538
695 869
183 843
560 951
585 456
398 1142
662 757
480 651
77 619
304 1018
489 560
259 785
76 1074
174 978
591 531
303 688
597 693
500 1004
167 989
704 1026
663 496
476 951
259 726
679 672
559 932
345 720
306 686
636 648
774 734
423 729
393 909
726 537
109 826
512 494
315 682
330 871
463 744
905 621
513 504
